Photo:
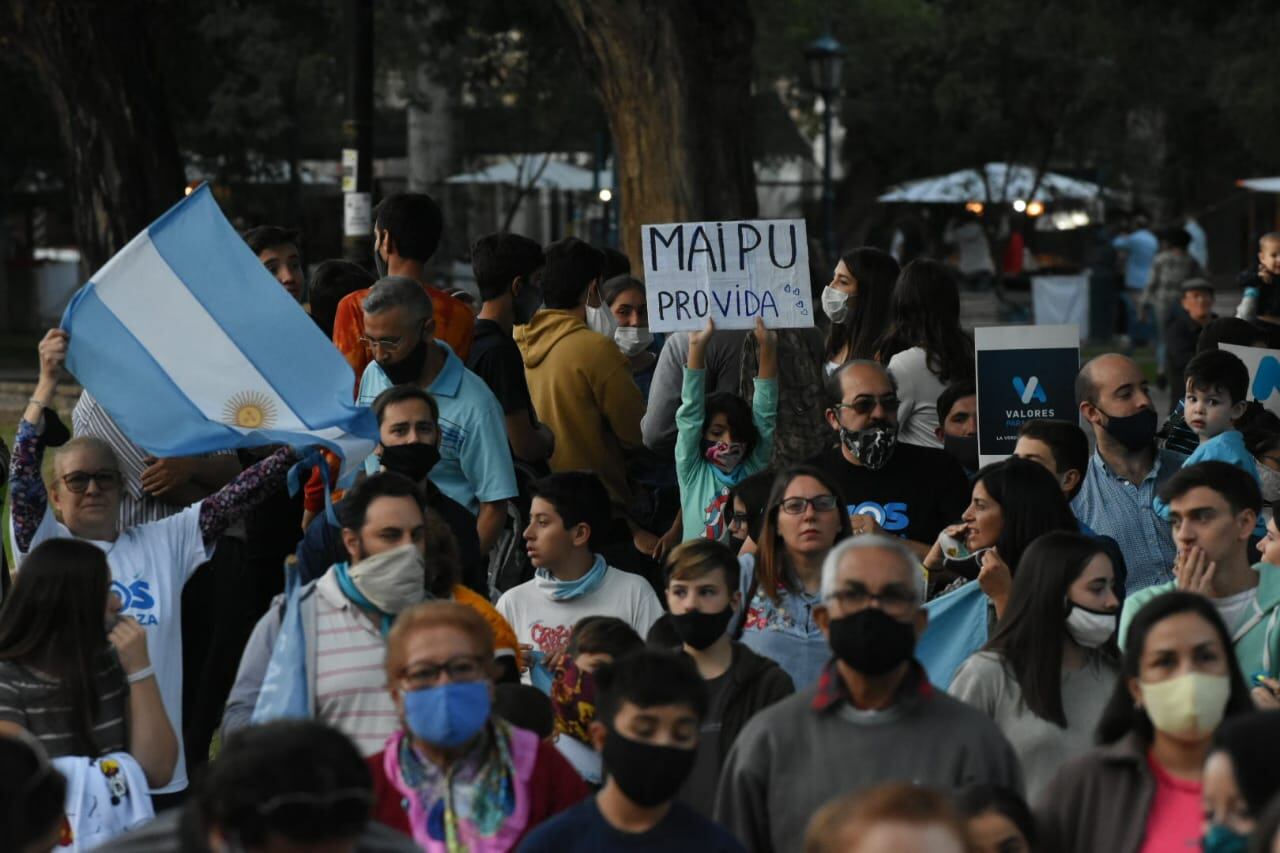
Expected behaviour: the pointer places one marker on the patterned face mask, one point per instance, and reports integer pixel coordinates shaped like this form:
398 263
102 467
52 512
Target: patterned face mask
873 446
573 696
725 455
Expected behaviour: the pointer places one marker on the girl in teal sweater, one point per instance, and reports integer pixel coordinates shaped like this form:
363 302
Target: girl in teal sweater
720 440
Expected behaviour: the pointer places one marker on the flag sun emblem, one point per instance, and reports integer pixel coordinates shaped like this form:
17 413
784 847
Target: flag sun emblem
250 410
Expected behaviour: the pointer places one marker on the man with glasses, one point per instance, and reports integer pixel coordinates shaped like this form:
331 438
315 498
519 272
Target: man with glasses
475 467
150 563
454 775
901 489
872 717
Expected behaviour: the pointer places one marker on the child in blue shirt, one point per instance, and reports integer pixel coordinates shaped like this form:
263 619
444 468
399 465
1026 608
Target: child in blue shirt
719 440
1217 384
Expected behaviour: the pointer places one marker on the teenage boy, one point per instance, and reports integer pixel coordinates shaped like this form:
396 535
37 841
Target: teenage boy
1182 332
571 580
1217 383
702 594
277 248
1213 507
649 710
958 424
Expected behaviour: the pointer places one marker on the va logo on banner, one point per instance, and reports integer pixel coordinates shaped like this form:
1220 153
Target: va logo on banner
1030 390
1267 378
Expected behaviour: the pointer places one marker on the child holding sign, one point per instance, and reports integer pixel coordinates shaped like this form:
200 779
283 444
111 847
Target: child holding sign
719 440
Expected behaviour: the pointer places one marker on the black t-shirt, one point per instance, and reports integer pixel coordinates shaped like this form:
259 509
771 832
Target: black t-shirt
495 358
918 493
583 828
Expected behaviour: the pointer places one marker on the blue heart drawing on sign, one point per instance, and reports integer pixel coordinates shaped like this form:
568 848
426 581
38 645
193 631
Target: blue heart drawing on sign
1267 379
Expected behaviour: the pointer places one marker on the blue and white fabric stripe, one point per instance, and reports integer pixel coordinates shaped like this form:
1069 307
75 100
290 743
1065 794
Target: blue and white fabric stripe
192 346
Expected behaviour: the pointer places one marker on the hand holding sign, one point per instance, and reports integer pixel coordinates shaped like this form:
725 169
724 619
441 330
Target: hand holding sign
729 272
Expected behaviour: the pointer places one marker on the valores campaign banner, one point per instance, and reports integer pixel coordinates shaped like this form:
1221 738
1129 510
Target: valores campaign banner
732 272
1024 373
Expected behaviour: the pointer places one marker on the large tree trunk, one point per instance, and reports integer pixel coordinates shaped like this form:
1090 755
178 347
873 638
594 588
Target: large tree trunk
674 78
96 66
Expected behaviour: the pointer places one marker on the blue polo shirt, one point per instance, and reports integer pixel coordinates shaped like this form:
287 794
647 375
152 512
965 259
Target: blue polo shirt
475 460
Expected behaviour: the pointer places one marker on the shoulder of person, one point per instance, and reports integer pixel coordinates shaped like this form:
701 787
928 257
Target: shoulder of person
777 721
963 721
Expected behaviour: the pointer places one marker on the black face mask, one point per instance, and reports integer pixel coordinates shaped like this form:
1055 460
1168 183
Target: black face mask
415 461
379 262
1135 431
735 543
648 774
964 448
408 369
700 629
871 641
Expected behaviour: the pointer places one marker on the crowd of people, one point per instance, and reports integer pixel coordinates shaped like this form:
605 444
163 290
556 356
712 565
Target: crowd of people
599 588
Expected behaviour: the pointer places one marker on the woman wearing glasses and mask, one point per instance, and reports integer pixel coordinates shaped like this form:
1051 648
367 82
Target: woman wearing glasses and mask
456 777
803 520
1046 675
77 677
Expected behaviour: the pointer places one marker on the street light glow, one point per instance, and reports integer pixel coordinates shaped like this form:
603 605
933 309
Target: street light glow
1019 205
1035 208
606 195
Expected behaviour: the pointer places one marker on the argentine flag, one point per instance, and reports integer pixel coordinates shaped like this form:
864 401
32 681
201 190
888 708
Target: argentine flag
192 346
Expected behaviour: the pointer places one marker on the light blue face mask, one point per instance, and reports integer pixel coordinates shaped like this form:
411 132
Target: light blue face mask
448 715
1224 839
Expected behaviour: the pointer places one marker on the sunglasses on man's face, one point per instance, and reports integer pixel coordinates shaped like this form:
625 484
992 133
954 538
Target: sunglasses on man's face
867 404
78 481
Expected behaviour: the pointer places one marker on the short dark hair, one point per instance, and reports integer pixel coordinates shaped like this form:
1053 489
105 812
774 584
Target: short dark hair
400 393
499 259
648 678
615 263
333 280
265 237
1121 715
1238 487
354 507
572 265
979 799
1086 388
414 223
1217 368
33 792
700 557
1261 432
1176 237
953 394
833 388
1065 440
736 411
602 635
579 498
299 778
525 706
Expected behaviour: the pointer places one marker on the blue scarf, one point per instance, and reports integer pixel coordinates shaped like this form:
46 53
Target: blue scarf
356 597
558 590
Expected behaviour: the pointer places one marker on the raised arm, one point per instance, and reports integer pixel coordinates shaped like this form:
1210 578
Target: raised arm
250 487
28 498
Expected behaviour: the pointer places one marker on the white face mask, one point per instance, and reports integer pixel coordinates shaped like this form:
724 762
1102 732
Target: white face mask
1270 482
394 580
835 304
1091 628
632 340
1187 706
600 319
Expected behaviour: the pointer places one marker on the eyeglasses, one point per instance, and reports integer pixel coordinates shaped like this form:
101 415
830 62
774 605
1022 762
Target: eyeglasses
820 503
866 405
894 602
384 343
459 669
78 481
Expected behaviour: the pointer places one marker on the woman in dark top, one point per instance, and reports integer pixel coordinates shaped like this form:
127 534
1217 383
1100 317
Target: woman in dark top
73 672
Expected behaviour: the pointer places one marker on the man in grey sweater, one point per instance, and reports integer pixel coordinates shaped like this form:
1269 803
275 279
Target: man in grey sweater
872 717
723 365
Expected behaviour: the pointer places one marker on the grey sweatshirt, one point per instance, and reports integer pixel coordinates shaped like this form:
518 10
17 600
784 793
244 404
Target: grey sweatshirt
724 366
791 759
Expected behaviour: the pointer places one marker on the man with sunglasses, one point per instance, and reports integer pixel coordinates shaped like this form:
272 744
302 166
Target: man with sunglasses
904 490
150 563
872 717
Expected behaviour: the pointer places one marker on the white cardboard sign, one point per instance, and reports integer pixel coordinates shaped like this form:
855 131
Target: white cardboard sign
732 272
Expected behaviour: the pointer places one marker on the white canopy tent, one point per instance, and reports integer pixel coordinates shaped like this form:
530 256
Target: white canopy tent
1002 184
520 171
1261 185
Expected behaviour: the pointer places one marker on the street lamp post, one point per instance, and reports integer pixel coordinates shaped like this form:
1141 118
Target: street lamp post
825 56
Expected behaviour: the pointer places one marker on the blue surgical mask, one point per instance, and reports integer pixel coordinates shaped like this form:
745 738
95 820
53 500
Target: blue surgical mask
1224 839
448 715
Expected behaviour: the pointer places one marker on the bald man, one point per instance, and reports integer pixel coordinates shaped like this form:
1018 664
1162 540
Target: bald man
1126 469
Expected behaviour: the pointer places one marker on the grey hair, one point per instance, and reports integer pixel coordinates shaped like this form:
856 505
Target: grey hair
831 565
397 291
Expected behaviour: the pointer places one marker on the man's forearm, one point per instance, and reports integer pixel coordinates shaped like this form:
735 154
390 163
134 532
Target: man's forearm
489 521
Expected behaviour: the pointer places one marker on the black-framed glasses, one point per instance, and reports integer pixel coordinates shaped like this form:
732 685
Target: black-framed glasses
820 503
867 404
461 668
893 601
108 480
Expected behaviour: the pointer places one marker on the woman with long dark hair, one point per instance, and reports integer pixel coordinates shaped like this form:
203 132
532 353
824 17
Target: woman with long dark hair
1141 790
1014 502
924 347
803 519
74 673
857 304
1046 675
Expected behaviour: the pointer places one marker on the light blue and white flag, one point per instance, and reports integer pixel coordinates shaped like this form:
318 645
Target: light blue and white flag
192 346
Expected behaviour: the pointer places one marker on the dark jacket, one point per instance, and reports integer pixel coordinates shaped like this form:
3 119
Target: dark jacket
755 683
1181 334
1100 801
